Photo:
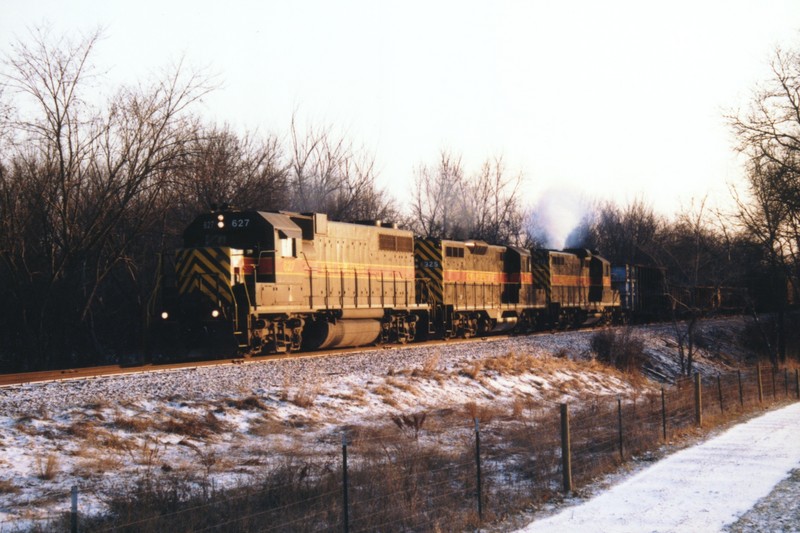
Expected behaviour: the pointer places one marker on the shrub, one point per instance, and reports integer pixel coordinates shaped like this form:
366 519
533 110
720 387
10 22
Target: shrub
622 349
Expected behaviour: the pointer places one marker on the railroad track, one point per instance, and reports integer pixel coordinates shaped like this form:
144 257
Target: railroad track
22 378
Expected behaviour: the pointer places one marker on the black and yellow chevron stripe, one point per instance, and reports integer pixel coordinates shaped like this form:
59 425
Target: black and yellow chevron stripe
428 259
207 270
541 278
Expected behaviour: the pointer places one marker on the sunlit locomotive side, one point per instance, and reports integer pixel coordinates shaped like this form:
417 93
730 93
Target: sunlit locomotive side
577 286
467 287
251 281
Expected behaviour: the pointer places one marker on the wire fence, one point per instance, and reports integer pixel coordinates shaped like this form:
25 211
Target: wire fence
451 470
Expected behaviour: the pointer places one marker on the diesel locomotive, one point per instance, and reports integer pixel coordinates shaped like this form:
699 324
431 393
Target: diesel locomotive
249 282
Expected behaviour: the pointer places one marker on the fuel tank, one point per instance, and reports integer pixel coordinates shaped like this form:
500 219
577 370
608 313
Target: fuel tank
352 332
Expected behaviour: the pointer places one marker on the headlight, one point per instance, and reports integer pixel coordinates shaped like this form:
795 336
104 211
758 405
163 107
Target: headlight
215 313
164 315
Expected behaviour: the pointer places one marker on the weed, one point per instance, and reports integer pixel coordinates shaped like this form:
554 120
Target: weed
401 385
251 402
304 398
621 349
195 426
46 467
7 486
131 424
412 423
430 368
472 370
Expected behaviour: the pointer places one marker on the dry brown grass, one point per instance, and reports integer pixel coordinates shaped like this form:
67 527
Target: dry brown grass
194 425
81 429
98 463
7 486
484 413
354 397
430 369
304 398
512 363
132 424
148 453
386 394
411 423
472 370
265 426
47 466
402 385
249 403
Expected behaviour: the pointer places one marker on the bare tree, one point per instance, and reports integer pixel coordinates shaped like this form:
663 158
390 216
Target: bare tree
85 183
435 202
769 208
220 166
700 259
624 235
492 204
328 174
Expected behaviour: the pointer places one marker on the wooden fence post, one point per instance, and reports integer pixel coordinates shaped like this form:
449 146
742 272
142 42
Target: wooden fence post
74 510
797 381
741 391
478 466
786 380
619 416
698 400
566 457
664 413
345 495
760 385
774 392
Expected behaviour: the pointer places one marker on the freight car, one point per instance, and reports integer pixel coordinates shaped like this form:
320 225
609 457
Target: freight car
261 282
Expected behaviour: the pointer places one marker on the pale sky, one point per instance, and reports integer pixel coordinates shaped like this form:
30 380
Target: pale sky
589 99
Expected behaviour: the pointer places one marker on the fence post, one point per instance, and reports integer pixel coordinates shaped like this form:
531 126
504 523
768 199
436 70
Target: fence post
760 385
619 416
797 381
774 392
74 512
741 391
719 388
566 457
664 413
478 467
345 495
786 380
698 400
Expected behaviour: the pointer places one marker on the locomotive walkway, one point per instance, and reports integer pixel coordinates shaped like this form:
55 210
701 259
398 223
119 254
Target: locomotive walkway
702 488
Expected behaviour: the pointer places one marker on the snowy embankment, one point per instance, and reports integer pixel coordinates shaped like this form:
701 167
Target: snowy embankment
219 422
703 488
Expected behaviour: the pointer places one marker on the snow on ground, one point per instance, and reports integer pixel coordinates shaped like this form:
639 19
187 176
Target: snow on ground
220 421
702 488
779 511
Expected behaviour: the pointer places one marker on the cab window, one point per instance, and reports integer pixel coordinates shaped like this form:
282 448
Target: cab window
287 248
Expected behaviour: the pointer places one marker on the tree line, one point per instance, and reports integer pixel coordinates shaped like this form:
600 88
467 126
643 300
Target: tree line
95 191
